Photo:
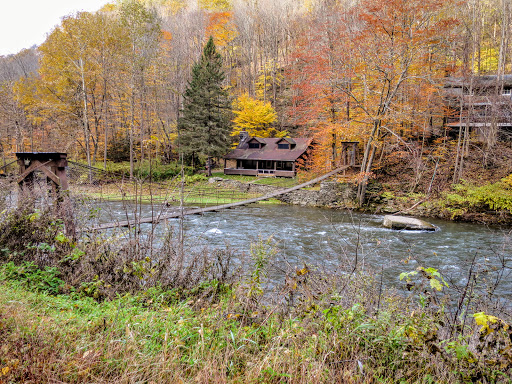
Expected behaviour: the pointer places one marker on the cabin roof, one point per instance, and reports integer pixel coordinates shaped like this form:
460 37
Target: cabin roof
258 139
270 151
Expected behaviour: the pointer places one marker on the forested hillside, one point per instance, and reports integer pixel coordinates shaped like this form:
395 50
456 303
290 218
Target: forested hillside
371 71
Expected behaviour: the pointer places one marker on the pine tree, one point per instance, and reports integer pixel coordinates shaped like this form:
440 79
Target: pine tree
204 126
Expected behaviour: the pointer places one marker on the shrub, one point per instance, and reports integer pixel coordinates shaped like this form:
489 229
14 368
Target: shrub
496 196
34 278
27 233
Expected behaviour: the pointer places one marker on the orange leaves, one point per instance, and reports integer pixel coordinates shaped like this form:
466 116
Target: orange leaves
221 28
166 35
364 176
166 40
370 73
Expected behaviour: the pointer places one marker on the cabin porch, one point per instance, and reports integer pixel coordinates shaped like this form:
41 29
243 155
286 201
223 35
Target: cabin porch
261 168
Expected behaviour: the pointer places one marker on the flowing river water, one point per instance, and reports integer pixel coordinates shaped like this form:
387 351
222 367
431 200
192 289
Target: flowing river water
328 239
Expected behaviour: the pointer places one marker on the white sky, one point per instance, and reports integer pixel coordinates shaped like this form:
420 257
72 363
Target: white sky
24 23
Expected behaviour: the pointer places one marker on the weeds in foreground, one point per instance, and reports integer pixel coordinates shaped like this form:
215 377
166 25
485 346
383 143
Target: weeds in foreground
163 336
114 310
103 266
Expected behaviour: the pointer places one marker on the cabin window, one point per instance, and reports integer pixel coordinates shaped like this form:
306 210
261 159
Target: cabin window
284 165
254 145
283 146
248 164
507 91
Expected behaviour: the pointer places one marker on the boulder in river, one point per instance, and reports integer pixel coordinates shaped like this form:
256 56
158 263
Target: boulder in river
409 223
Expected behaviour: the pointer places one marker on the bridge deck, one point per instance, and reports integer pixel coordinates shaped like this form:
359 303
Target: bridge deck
196 211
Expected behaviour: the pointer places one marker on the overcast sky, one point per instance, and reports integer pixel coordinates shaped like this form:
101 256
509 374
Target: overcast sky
24 23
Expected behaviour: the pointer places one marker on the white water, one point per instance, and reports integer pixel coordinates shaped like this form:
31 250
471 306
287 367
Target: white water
328 239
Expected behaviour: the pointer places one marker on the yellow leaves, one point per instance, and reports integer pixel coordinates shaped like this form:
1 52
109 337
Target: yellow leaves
482 319
215 5
412 333
13 364
507 180
34 216
270 78
435 284
255 117
488 60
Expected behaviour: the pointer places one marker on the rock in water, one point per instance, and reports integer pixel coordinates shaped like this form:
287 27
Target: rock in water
409 223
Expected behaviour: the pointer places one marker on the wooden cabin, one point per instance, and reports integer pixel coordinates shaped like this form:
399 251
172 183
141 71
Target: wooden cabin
256 156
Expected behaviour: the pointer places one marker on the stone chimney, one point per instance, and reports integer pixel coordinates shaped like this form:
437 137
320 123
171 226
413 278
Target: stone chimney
243 137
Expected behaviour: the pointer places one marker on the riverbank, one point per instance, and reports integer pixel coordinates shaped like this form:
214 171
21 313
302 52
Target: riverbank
460 204
482 197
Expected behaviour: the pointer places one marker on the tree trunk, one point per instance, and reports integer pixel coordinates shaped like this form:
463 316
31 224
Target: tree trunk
86 120
366 164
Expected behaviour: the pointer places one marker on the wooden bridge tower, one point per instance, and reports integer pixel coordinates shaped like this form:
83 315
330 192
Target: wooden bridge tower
349 153
53 165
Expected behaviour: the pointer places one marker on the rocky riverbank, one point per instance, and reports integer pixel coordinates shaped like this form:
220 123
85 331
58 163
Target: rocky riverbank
337 195
329 195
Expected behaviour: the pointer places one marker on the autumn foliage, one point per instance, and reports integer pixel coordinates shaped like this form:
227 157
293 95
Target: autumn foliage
255 117
110 84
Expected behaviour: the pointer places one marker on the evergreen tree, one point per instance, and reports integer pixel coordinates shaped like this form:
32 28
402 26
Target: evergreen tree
205 126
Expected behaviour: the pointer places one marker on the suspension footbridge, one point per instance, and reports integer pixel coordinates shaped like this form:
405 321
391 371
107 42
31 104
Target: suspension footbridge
41 172
198 211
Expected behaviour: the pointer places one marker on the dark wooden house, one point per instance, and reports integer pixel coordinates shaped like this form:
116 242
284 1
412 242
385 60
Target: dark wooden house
256 156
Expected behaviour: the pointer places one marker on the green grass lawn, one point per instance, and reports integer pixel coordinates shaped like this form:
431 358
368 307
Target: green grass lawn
199 193
158 336
285 182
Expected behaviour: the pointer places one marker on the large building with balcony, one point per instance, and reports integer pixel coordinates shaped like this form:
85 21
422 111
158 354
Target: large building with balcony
481 104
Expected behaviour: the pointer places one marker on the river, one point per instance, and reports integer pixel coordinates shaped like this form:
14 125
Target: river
329 238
